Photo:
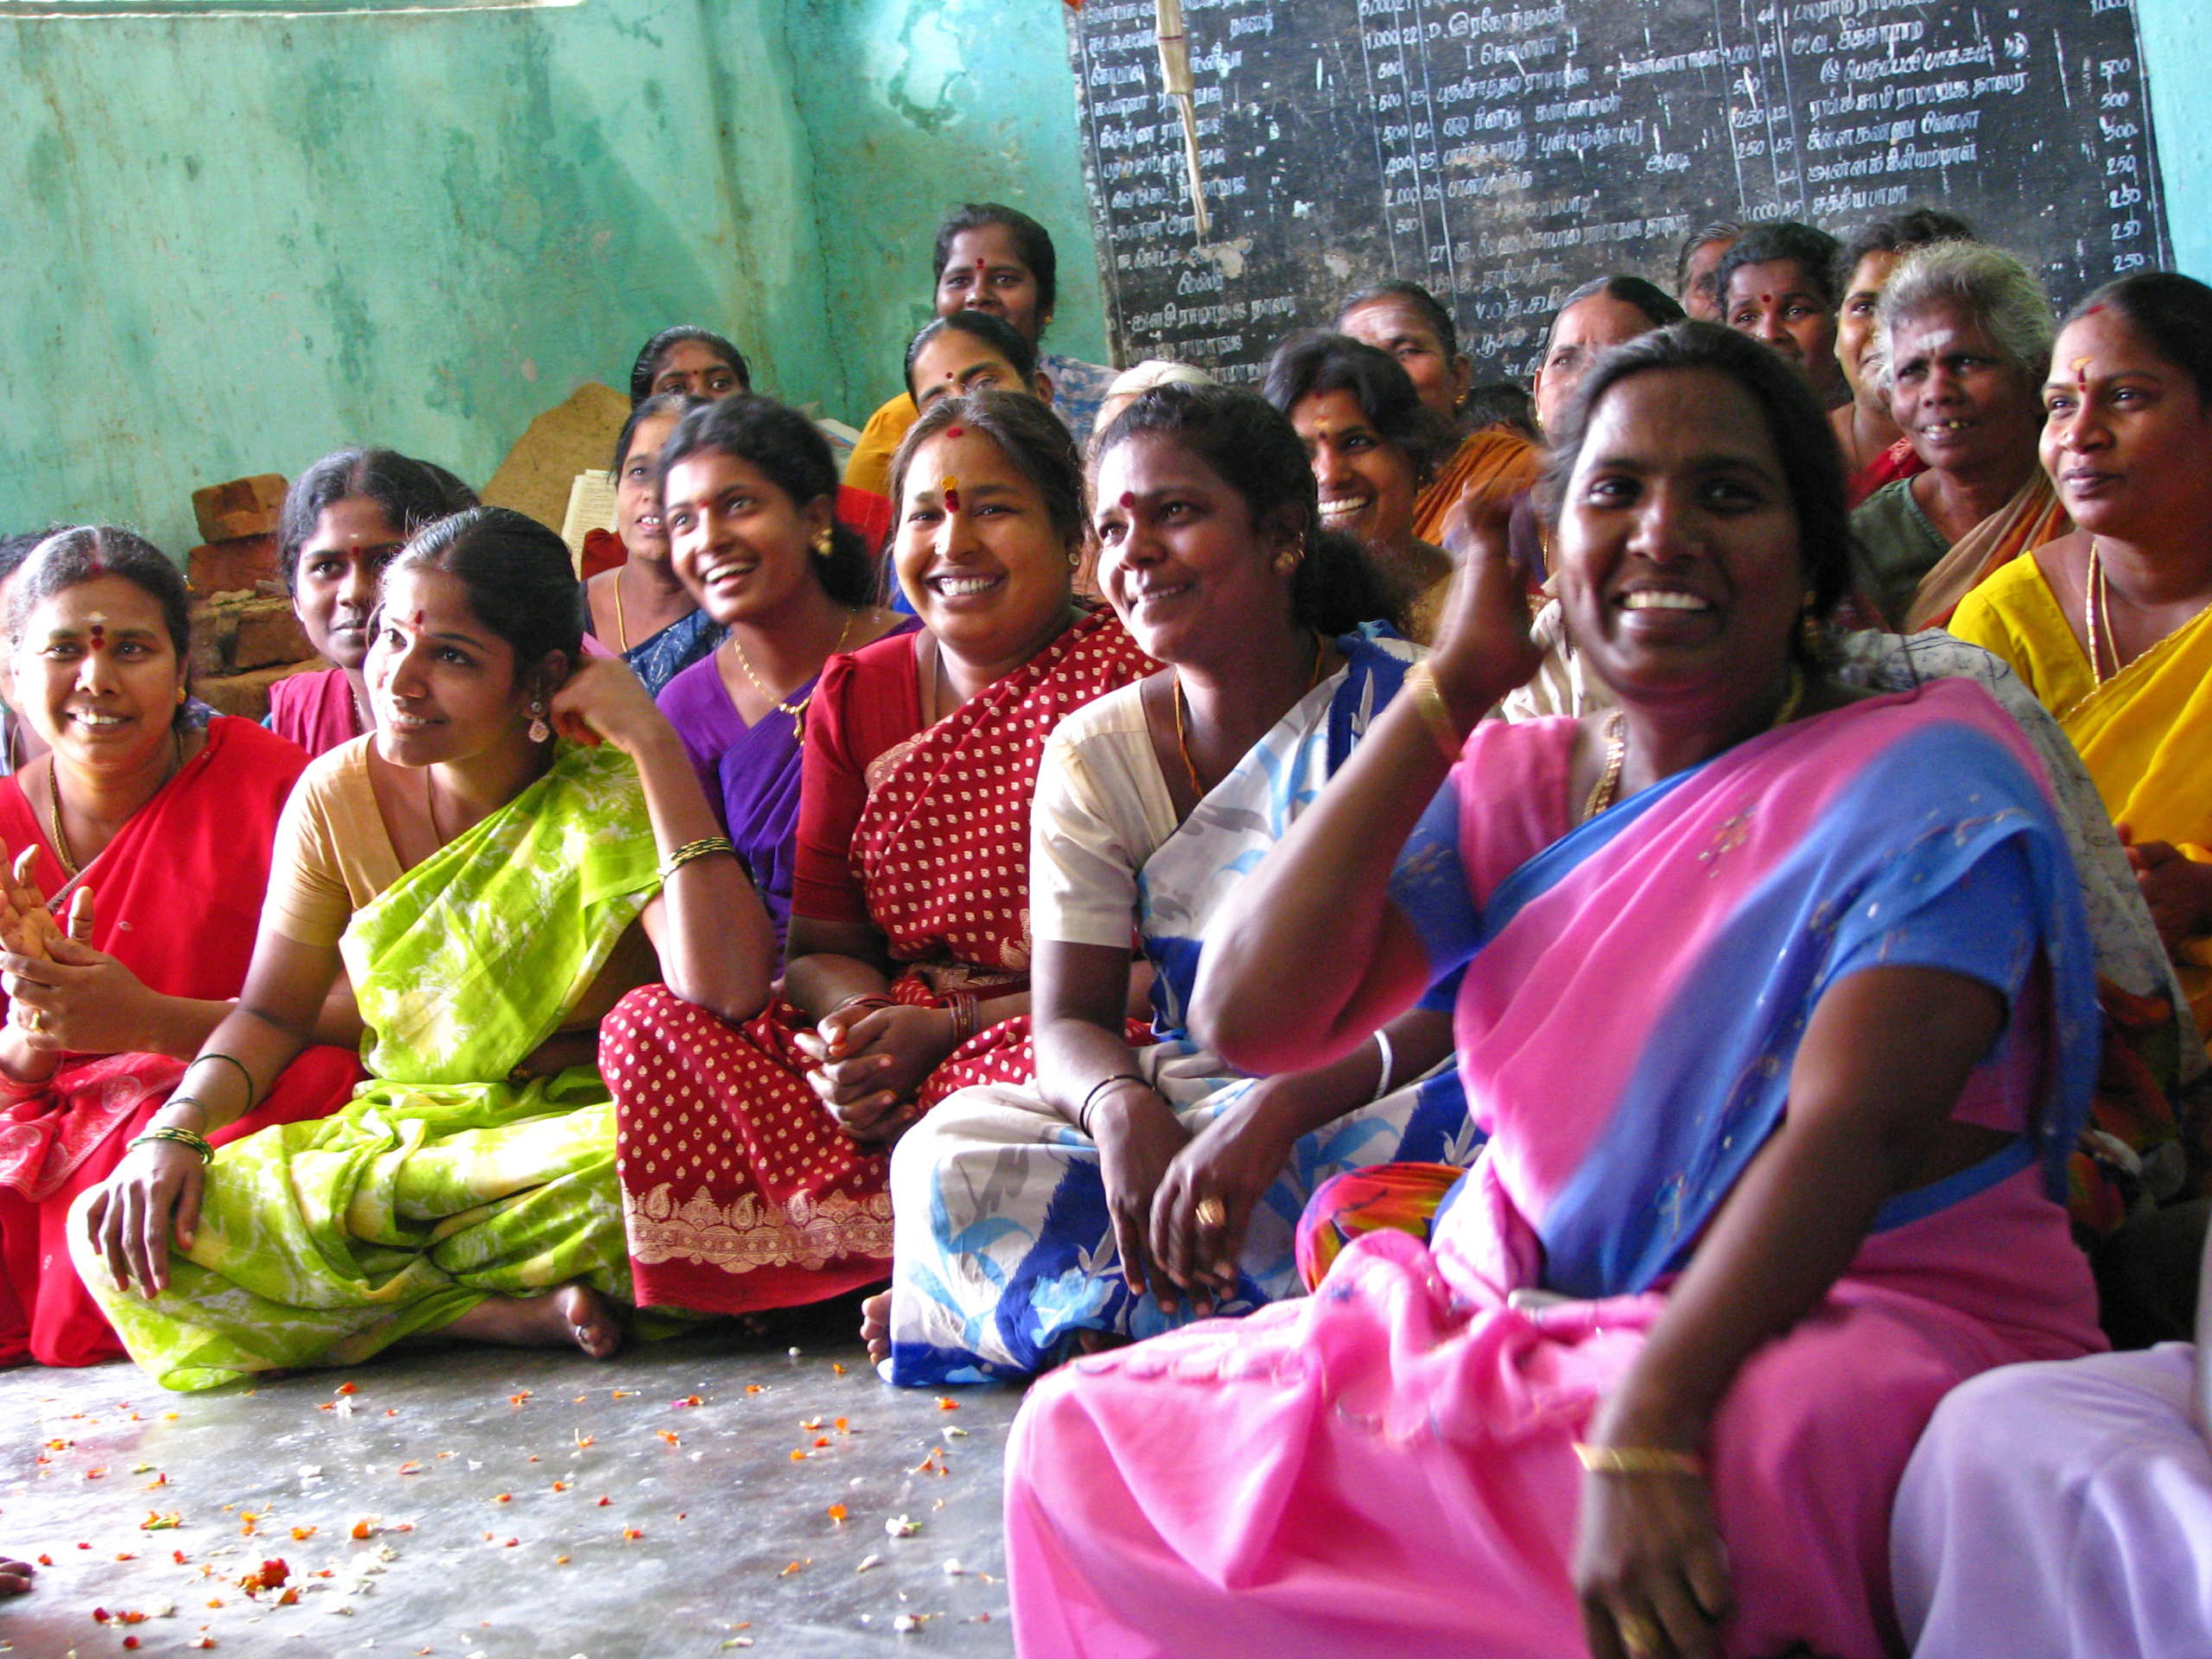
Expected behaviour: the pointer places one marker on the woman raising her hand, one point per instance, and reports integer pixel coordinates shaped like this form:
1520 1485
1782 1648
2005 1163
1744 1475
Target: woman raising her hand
1777 1008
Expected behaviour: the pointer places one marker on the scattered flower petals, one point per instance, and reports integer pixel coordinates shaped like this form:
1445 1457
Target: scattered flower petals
504 1497
908 1623
899 1525
837 1513
945 1403
839 1369
603 1503
560 1485
688 1399
299 1533
346 1388
633 1532
956 1432
953 1568
792 1568
560 1560
517 1399
669 1434
310 1471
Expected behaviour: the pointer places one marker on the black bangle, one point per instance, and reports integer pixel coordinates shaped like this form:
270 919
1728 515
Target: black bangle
1083 1112
230 1059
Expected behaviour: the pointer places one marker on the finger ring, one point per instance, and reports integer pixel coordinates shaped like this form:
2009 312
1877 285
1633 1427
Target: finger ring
35 1021
1211 1212
1639 1635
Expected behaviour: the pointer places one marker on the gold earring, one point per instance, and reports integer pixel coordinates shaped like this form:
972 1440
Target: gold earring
1286 560
822 542
181 694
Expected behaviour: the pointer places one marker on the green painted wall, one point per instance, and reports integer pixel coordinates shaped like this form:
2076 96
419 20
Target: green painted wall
916 106
234 244
2178 57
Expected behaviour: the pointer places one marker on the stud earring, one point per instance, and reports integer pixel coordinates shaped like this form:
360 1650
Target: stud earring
539 731
822 545
181 694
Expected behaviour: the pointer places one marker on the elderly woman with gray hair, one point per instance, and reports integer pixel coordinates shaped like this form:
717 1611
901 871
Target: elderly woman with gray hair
1963 337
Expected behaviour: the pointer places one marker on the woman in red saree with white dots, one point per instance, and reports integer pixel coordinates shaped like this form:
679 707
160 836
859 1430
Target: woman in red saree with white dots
754 1159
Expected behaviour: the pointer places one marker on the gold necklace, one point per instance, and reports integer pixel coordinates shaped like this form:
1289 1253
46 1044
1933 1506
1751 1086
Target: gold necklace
1182 738
1609 782
53 802
622 625
796 710
2096 596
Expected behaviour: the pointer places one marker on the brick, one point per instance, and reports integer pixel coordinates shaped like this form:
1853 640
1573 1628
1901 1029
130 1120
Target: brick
268 632
247 694
244 506
225 567
212 631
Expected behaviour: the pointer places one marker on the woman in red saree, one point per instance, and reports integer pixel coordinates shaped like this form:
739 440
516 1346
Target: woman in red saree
161 835
754 1159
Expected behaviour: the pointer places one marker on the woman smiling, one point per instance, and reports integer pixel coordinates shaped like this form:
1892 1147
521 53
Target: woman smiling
1778 1010
1965 337
1371 443
161 834
1018 1242
909 943
746 488
343 517
487 892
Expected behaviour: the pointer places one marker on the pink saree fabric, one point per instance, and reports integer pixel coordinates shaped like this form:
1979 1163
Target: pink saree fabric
1387 1466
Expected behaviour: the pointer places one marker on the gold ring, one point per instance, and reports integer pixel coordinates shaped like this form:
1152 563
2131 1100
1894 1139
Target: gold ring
35 1021
1211 1212
1639 1635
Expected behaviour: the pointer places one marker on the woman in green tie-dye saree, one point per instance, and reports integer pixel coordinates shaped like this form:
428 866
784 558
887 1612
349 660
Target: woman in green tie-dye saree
490 890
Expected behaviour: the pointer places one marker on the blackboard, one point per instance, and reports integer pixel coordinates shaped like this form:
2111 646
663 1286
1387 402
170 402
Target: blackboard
1500 153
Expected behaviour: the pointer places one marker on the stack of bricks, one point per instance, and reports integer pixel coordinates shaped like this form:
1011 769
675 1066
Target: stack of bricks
244 637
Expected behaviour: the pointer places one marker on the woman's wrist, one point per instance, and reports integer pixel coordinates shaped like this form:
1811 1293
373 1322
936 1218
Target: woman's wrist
1464 684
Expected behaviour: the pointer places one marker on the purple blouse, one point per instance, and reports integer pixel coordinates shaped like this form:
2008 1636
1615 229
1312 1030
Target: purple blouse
750 772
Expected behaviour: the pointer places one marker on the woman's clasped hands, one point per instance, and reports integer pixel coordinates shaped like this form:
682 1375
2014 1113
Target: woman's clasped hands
64 997
873 1054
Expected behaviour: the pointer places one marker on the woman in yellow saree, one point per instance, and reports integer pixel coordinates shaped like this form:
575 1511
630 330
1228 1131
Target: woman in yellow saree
491 892
2110 626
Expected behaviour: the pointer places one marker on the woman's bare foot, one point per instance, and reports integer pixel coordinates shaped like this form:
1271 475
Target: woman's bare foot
574 1315
15 1576
875 1327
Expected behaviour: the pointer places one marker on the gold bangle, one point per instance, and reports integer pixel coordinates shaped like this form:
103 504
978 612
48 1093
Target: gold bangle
185 1138
699 849
1435 713
1640 1460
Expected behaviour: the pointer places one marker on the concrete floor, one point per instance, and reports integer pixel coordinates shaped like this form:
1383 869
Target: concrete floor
688 1525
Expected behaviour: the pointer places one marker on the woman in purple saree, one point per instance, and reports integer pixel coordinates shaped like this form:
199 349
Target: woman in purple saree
1778 1011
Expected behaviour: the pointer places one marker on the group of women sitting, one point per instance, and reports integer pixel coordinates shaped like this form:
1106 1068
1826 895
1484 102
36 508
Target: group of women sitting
1666 1099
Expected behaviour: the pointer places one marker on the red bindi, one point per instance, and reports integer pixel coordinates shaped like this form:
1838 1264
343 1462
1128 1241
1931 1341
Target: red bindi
1129 501
952 432
951 487
99 636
